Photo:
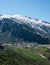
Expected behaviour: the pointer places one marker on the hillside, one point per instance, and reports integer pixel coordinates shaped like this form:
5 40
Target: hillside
14 28
21 56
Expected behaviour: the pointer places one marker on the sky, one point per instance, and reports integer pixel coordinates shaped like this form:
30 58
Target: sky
39 9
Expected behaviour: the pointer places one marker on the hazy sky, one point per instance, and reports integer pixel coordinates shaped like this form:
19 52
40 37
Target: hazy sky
39 9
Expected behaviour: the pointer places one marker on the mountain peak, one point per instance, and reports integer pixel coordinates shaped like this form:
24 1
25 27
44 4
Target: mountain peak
13 27
25 19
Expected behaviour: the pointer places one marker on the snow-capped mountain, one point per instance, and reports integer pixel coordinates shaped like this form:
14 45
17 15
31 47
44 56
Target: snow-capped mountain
17 27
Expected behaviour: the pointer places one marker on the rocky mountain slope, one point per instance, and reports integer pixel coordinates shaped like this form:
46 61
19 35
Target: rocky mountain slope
16 28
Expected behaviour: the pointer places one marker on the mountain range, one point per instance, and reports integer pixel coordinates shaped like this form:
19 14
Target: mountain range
15 28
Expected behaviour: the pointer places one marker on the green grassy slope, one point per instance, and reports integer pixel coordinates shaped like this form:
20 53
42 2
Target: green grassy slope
20 56
43 50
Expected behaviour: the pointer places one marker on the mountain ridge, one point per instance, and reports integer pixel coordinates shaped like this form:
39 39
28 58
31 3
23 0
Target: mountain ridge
22 27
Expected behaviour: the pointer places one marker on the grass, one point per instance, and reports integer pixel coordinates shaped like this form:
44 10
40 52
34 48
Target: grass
20 56
43 50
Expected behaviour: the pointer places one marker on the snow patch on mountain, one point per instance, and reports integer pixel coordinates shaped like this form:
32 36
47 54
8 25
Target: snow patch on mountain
26 20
